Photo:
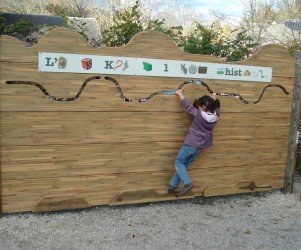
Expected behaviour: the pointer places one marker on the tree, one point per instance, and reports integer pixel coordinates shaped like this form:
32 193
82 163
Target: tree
126 24
23 6
240 47
212 41
122 23
200 40
72 8
268 22
129 22
75 8
173 12
258 15
203 40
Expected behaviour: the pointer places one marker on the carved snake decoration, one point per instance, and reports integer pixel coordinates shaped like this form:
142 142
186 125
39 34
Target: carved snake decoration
70 99
143 100
271 86
197 82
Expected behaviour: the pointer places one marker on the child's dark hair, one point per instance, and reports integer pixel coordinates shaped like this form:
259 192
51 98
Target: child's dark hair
208 103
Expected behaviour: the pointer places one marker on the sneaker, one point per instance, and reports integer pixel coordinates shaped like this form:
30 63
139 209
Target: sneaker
186 188
171 189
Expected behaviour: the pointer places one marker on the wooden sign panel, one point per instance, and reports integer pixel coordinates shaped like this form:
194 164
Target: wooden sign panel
74 140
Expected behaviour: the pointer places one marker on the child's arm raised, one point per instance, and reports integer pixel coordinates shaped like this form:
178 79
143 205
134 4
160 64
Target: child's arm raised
190 109
214 96
217 103
180 94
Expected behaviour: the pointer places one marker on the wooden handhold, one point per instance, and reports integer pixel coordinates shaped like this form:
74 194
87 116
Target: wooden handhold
55 202
144 195
238 187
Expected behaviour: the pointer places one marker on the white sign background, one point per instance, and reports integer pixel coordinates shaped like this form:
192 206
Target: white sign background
93 64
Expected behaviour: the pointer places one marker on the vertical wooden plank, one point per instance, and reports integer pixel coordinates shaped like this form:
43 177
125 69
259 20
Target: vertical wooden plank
0 184
295 117
0 164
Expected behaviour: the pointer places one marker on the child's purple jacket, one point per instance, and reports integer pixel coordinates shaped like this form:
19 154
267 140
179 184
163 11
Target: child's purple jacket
200 132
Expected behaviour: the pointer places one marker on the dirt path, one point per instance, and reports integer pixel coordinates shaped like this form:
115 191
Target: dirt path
253 221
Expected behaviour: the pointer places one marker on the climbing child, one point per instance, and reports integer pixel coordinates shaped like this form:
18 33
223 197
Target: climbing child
205 112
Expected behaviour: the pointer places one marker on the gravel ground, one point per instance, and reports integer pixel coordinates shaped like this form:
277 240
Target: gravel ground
269 220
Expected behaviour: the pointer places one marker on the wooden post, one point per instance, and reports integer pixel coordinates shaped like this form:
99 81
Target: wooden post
0 191
0 194
295 117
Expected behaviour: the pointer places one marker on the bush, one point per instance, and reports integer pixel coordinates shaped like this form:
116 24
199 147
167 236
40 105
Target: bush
127 23
201 40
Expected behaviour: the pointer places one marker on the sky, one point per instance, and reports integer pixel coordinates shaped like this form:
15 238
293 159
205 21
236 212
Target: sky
229 7
202 10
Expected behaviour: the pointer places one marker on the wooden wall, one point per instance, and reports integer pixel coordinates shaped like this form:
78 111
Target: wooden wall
101 150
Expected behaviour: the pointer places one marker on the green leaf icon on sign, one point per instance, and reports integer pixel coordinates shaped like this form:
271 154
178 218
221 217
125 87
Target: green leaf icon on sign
147 66
220 71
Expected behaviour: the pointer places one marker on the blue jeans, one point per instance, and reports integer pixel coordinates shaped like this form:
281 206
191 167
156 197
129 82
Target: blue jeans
186 156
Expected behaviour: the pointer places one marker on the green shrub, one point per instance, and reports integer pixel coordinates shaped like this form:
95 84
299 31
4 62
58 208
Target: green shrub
23 27
201 40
